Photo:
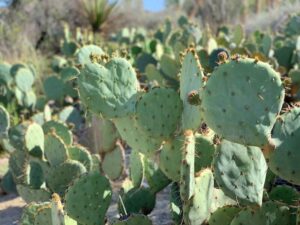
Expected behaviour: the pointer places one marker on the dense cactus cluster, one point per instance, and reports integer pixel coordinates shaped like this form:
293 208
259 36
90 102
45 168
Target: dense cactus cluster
214 117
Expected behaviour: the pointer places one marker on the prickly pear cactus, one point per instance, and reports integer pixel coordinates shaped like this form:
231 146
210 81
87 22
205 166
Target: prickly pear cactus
113 86
190 80
56 151
113 162
4 121
136 168
197 209
135 137
270 213
283 161
240 172
248 95
158 112
80 154
84 53
29 194
88 198
187 169
60 129
224 215
61 176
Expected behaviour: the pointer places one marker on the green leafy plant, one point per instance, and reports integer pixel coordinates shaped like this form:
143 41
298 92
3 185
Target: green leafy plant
98 11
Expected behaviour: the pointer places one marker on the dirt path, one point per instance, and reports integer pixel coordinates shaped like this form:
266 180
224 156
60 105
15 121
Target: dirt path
10 209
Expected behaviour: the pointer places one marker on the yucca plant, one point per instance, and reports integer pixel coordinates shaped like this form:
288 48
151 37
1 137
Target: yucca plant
98 11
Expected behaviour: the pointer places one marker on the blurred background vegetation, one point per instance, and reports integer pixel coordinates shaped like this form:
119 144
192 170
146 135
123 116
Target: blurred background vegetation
31 30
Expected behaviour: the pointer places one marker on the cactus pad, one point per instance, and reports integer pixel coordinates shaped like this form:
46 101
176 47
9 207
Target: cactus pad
55 150
284 160
113 163
113 86
249 96
84 53
29 194
4 121
159 112
223 216
136 168
190 80
61 176
197 209
240 171
54 88
285 194
133 134
34 139
187 168
94 193
138 200
220 200
60 129
82 155
270 213
24 79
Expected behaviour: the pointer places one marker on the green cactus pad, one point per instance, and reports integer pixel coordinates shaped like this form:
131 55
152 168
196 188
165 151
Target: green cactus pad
197 209
284 160
55 150
190 80
135 219
138 200
96 165
204 150
220 200
84 53
285 194
18 164
108 135
135 137
58 63
170 158
82 155
30 211
159 112
94 193
34 139
17 133
176 204
60 129
153 74
156 179
43 216
270 213
224 215
169 66
5 76
69 73
69 48
113 86
136 168
54 88
113 163
61 176
7 183
240 172
71 115
29 99
249 96
24 79
29 194
187 167
36 175
4 121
